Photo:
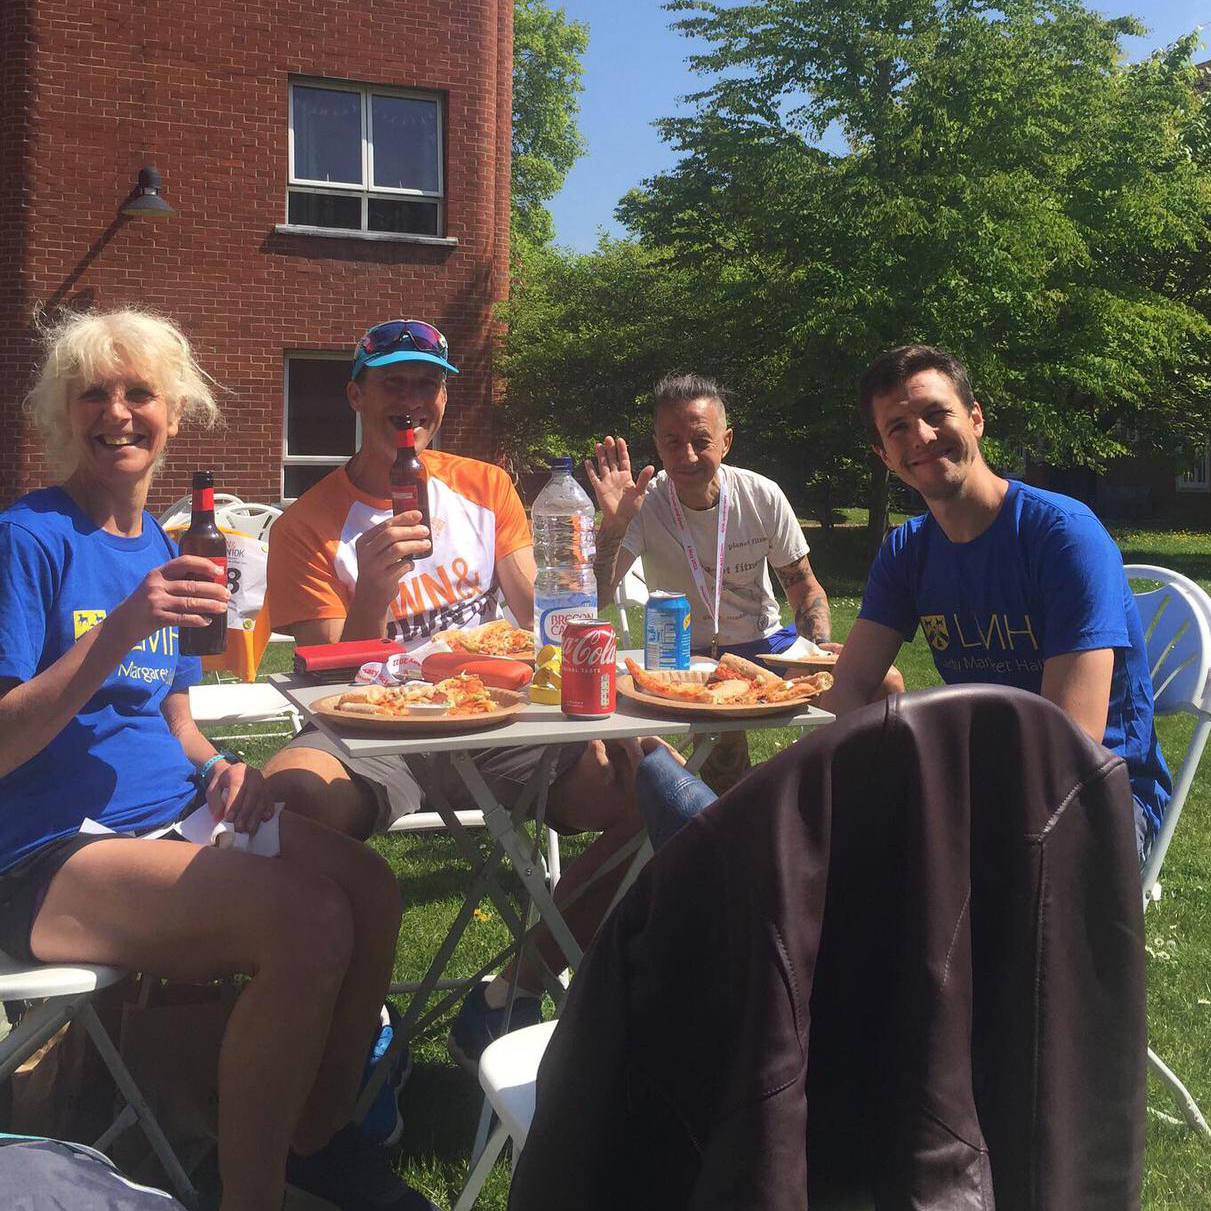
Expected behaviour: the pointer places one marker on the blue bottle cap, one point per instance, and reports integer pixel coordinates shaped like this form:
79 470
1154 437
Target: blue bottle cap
561 464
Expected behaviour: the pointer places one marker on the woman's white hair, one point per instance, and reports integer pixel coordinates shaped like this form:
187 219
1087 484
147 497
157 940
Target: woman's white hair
84 349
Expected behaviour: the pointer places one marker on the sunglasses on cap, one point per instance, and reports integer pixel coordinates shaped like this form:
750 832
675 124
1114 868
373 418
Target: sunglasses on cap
401 341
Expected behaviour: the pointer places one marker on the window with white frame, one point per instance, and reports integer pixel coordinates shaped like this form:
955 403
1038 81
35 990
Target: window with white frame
320 430
1194 469
365 158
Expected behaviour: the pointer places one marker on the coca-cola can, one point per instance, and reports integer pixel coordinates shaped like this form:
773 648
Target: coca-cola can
590 651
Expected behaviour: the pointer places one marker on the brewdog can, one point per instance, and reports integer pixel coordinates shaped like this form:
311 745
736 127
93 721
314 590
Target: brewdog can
666 631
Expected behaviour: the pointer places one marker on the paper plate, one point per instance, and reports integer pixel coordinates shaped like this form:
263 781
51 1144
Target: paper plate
722 710
816 663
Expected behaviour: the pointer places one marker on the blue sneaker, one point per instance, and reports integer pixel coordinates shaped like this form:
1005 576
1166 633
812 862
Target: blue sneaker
477 1025
383 1124
353 1176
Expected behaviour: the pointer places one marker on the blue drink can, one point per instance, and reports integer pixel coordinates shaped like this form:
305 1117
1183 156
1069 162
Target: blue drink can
666 631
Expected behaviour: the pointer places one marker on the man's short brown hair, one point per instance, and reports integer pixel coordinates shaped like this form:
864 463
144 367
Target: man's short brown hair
894 367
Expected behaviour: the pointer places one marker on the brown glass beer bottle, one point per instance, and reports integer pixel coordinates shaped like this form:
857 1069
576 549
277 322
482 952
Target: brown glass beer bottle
409 483
203 538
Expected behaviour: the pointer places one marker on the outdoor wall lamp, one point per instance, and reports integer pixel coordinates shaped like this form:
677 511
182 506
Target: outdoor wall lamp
145 201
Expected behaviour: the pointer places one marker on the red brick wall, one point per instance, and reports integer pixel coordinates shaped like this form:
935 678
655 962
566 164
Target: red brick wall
16 91
91 95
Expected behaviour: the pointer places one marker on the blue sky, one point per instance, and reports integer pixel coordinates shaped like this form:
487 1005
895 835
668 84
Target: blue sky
635 72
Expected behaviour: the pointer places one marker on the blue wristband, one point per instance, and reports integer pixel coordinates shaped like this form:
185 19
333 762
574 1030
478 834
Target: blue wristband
213 761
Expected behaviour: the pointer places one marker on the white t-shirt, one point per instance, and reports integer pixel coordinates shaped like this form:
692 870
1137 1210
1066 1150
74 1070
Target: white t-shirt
761 530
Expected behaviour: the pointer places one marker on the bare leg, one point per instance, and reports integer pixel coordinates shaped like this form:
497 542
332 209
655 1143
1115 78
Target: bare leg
727 762
191 913
595 795
315 784
373 895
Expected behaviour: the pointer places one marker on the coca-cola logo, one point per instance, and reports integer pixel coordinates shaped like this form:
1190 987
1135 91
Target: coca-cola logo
590 650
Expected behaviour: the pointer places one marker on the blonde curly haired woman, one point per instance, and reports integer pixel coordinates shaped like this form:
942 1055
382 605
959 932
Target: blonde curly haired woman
95 722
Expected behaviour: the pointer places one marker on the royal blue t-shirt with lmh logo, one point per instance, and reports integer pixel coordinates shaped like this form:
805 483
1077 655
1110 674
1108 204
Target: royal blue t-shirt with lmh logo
1043 580
115 761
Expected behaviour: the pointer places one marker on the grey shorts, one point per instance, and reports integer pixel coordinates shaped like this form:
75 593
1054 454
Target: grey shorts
399 789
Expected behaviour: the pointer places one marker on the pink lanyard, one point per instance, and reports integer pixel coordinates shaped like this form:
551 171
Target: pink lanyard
691 552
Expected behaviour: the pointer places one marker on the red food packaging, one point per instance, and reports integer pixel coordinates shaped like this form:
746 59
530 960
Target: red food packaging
501 674
340 661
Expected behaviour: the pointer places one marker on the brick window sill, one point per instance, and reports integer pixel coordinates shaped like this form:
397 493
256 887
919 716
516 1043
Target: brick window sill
390 237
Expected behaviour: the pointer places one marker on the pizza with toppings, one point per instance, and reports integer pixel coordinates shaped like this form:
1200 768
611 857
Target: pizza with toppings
500 638
733 682
464 695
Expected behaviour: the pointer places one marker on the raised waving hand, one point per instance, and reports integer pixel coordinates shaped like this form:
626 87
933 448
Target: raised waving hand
619 494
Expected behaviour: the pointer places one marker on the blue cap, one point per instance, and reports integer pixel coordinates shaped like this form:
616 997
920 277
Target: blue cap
401 341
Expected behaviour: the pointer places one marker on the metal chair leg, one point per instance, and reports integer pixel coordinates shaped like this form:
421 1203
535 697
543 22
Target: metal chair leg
482 1167
136 1101
1186 1104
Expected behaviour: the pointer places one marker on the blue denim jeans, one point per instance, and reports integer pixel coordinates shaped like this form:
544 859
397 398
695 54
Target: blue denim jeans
669 795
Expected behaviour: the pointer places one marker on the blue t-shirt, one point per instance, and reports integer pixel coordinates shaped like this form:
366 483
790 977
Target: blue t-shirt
116 761
1043 580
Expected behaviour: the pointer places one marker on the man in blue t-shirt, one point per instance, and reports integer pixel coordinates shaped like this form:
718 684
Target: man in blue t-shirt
1011 585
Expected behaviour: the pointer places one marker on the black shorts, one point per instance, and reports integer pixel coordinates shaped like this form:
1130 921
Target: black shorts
23 888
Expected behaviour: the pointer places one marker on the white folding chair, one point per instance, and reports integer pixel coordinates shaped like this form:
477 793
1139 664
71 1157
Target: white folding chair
1177 629
178 513
632 591
252 519
508 1070
60 993
235 703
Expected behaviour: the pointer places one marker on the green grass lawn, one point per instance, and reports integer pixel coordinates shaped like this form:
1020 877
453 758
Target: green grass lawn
441 1103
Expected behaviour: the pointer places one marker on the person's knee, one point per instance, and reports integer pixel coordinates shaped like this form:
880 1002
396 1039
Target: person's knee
310 936
893 683
315 784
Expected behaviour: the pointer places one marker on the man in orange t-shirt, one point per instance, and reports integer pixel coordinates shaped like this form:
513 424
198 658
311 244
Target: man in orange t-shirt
342 567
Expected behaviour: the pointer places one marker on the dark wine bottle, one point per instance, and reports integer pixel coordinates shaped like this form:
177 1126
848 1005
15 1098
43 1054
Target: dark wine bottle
204 538
409 482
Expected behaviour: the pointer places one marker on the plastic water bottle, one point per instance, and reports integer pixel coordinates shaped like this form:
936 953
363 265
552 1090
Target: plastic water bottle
564 546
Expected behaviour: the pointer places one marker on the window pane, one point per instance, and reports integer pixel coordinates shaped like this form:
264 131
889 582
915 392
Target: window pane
402 214
405 143
327 135
297 479
324 210
318 417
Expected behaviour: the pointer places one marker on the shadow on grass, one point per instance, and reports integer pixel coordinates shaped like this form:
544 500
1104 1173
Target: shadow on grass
447 1136
431 870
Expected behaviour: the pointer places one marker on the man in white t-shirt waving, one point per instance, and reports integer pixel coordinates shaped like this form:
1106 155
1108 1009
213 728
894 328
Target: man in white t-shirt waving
678 521
695 512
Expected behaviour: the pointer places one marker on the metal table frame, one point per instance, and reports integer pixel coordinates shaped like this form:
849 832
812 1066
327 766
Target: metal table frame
538 725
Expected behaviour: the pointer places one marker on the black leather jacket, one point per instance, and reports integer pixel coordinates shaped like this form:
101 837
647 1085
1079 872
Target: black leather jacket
900 965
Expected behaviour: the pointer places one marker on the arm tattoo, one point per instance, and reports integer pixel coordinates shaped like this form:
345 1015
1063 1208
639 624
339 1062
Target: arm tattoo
813 619
794 573
605 562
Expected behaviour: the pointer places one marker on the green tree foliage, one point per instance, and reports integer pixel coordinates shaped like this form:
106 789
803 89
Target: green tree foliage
1012 190
586 337
547 50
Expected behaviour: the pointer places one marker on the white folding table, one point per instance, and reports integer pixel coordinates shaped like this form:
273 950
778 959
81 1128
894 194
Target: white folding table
538 725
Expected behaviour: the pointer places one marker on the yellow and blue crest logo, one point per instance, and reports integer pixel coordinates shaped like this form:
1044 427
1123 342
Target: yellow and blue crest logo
936 631
83 621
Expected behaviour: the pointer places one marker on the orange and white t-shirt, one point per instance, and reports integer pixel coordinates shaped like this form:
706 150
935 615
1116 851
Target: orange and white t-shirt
477 520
